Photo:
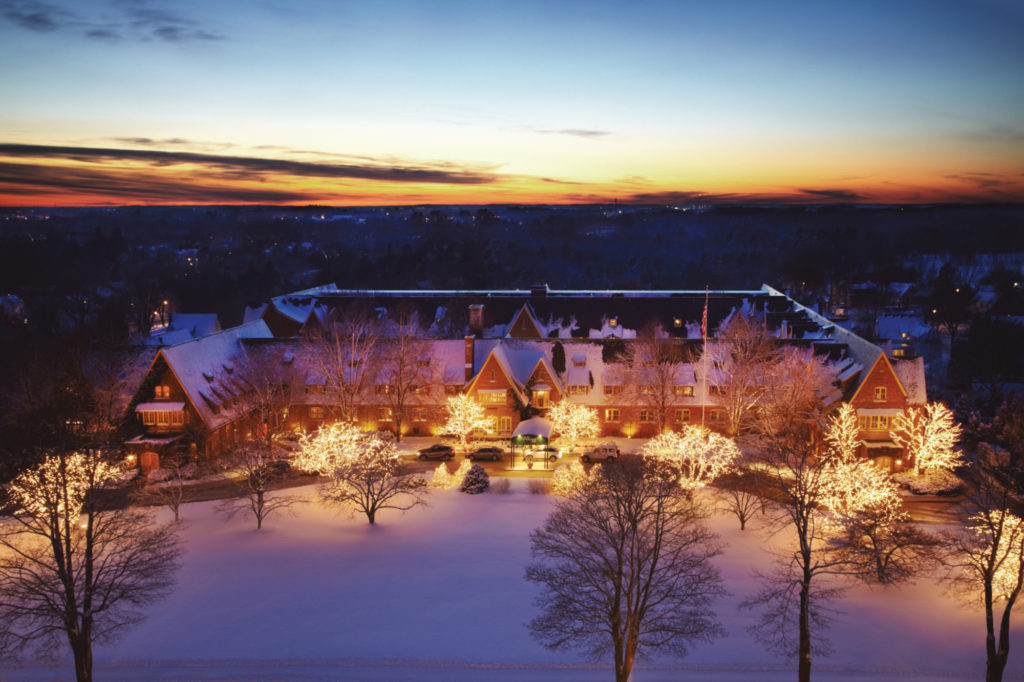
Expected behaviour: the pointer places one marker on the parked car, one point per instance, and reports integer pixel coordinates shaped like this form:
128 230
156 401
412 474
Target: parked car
493 454
548 453
608 452
437 451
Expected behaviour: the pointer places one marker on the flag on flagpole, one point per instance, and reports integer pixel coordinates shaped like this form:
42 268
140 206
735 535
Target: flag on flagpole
704 319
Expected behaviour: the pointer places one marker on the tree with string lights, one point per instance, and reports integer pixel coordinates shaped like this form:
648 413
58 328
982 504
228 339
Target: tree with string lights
928 435
464 416
695 454
72 567
573 422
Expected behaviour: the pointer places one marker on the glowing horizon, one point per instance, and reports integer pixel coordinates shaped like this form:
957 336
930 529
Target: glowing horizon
454 102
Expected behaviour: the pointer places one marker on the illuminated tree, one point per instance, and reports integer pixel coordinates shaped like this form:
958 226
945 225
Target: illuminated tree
571 478
835 534
573 422
460 474
625 565
988 559
928 436
362 469
70 566
695 454
464 416
442 479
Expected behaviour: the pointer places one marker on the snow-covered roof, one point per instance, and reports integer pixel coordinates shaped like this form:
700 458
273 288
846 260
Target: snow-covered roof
535 426
686 375
196 324
910 372
894 326
251 314
199 367
168 337
578 376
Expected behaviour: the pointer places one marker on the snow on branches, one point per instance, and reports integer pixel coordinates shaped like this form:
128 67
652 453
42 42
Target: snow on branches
928 436
465 416
696 454
573 422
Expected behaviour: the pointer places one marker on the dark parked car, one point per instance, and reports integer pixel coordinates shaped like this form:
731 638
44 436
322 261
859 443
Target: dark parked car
437 451
493 454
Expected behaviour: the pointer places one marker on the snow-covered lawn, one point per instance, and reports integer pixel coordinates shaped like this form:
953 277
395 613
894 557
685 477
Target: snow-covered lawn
437 593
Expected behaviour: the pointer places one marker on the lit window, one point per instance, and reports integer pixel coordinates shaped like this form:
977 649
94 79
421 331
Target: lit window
716 415
611 415
384 413
684 390
579 363
873 423
540 399
419 414
177 418
880 394
504 424
385 389
612 390
646 416
492 397
163 418
613 321
646 389
149 418
578 389
316 412
682 416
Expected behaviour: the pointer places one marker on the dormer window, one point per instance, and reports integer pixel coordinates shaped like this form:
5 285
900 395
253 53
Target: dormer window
613 321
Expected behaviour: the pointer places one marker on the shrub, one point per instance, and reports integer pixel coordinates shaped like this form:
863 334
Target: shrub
476 480
937 482
538 487
501 486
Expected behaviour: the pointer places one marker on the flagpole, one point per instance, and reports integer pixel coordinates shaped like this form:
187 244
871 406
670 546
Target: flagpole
704 334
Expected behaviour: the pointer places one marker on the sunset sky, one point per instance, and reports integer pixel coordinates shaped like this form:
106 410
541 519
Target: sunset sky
440 101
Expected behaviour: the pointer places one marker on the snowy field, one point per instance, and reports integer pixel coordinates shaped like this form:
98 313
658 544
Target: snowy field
437 593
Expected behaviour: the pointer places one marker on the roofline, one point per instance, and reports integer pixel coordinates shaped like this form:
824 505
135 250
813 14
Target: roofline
868 373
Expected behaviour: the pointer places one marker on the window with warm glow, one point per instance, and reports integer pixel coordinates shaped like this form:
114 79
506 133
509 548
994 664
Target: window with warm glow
578 389
682 416
385 389
505 425
384 413
316 412
684 390
612 390
716 415
492 397
873 423
540 399
879 394
611 415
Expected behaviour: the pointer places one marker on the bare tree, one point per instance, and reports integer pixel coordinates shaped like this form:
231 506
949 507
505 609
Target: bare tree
827 500
625 565
72 568
403 368
752 353
655 363
741 496
362 469
263 374
168 493
987 557
259 474
341 351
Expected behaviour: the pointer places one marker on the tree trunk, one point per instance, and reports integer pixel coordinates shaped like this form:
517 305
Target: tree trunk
805 632
371 515
81 647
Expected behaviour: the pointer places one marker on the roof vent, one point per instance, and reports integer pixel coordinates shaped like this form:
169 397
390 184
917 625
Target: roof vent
540 289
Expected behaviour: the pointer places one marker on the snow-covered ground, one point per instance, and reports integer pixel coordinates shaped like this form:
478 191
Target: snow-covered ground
437 593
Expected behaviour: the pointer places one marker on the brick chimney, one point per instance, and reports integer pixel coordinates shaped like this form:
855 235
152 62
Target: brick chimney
539 290
476 318
469 357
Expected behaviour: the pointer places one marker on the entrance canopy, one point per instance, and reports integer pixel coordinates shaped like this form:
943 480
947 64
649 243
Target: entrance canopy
533 429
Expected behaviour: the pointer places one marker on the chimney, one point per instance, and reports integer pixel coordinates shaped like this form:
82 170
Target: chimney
538 290
469 357
476 318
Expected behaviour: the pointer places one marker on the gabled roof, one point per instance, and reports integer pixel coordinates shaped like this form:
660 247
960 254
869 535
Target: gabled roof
881 364
500 357
525 317
200 368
